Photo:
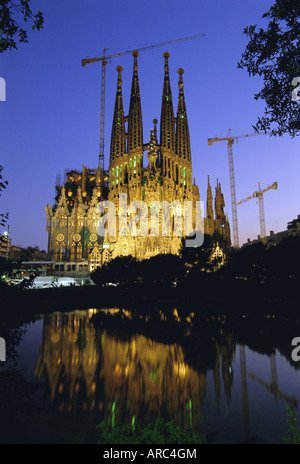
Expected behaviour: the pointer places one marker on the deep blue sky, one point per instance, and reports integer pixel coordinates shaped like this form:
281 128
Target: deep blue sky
50 120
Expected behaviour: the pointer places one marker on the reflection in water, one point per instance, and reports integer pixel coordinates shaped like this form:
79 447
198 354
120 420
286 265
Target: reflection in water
70 357
272 387
134 379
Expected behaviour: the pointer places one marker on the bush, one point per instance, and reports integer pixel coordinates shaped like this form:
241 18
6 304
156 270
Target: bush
292 437
158 433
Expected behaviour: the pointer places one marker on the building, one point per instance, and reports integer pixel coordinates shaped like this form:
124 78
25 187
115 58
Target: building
72 223
216 220
293 228
5 245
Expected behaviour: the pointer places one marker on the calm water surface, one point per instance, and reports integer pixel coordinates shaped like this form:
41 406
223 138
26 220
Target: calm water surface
70 374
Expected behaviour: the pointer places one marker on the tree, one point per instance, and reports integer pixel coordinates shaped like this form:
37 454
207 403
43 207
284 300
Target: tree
274 54
162 268
201 258
10 30
3 185
122 269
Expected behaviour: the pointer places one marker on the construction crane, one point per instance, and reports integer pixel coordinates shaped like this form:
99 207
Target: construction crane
104 60
259 194
230 141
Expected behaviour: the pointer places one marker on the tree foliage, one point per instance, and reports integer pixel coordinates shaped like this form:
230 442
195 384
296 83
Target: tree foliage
292 436
119 270
273 53
11 32
159 432
201 258
3 185
163 268
260 260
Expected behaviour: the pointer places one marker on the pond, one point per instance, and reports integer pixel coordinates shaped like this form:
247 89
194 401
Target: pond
65 372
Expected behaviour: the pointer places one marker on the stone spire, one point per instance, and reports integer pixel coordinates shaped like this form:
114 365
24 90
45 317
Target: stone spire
152 152
118 138
219 203
209 210
167 121
183 145
135 123
221 221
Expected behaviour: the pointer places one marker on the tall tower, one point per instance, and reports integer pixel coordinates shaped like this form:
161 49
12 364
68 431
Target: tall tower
118 137
221 221
134 164
219 203
209 219
135 123
167 125
183 144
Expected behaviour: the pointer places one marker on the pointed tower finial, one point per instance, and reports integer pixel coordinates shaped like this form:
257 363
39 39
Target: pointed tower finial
135 124
183 145
118 142
209 220
135 54
167 121
155 129
120 70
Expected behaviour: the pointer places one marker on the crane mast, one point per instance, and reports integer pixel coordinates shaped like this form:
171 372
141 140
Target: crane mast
262 218
230 140
104 60
233 194
259 194
102 113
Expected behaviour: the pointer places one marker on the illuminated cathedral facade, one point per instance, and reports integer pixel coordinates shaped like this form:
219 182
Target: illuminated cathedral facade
167 178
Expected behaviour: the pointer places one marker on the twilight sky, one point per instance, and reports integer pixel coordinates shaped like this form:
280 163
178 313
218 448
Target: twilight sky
51 117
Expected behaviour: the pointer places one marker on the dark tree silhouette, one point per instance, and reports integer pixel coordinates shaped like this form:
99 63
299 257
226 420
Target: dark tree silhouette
11 32
274 54
3 185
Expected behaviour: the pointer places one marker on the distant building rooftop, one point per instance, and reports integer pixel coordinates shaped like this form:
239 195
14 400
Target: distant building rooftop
293 228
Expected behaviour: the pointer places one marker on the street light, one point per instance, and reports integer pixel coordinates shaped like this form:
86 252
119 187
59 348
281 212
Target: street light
6 234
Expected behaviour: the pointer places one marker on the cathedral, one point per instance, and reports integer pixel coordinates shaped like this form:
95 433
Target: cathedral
167 179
